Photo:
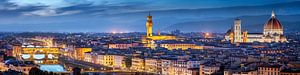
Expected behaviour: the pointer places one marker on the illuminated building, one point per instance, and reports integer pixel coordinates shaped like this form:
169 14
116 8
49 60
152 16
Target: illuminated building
3 67
237 30
245 68
149 24
272 32
100 59
250 72
245 36
271 51
178 45
108 60
150 37
166 67
122 45
184 67
229 36
17 51
152 65
269 69
115 61
138 64
118 61
273 26
181 71
80 51
182 46
209 68
89 57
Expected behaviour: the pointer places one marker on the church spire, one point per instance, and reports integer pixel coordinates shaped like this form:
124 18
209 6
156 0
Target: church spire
273 14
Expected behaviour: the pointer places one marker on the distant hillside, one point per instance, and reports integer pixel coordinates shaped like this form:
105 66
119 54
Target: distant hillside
249 23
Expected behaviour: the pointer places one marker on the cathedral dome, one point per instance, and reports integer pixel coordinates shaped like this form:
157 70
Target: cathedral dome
273 26
273 23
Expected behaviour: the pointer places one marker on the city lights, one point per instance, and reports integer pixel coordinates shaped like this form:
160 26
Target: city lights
141 37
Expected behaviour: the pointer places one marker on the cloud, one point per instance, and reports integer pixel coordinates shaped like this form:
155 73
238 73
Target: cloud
103 7
50 12
67 7
67 3
50 7
102 15
49 3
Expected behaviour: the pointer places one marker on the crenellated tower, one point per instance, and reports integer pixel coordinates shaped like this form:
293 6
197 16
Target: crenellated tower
149 25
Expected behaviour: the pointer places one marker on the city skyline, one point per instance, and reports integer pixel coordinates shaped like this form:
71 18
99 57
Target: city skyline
149 37
129 16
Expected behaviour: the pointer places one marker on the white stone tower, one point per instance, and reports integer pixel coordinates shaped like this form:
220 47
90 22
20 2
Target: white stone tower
237 31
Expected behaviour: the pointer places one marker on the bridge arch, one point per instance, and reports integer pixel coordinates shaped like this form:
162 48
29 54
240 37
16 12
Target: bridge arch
45 55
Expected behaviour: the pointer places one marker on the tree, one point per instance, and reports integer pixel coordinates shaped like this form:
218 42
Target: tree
35 71
128 62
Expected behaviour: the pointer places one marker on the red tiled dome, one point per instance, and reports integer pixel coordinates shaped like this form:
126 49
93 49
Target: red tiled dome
273 23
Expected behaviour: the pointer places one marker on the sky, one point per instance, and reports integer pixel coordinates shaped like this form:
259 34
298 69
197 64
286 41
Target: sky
129 15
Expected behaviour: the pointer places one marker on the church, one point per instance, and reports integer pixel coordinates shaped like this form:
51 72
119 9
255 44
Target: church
272 32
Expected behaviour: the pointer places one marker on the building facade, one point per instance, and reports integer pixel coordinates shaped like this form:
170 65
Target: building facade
138 64
147 40
122 45
237 31
115 61
209 68
153 65
182 46
267 69
80 51
272 32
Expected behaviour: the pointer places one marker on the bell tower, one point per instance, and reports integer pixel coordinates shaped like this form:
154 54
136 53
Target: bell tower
237 31
149 25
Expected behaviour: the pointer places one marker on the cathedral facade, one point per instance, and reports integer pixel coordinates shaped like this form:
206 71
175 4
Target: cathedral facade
272 32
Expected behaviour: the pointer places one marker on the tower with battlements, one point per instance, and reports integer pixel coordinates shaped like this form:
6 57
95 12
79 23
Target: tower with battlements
149 25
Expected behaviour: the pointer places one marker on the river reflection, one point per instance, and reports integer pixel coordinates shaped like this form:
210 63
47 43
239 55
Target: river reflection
39 59
52 68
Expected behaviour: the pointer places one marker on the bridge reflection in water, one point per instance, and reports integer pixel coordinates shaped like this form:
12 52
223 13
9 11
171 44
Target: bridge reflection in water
41 58
41 55
50 64
47 62
49 59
